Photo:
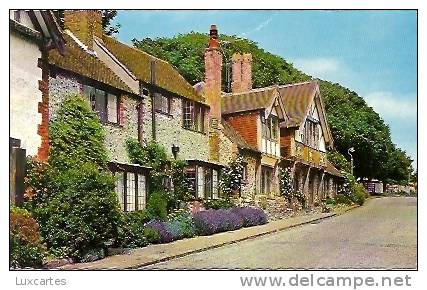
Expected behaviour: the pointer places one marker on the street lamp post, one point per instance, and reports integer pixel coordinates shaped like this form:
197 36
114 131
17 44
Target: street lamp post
351 150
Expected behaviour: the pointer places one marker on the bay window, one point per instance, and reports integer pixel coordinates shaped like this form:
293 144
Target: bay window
203 181
131 186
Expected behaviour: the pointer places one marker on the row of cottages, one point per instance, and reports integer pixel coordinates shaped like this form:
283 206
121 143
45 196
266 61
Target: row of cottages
281 126
139 96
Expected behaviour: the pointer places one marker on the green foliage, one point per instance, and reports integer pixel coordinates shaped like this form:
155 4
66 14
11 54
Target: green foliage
186 52
72 197
181 186
157 205
231 177
152 235
339 161
26 248
76 136
181 225
218 203
351 191
152 155
163 171
359 194
131 230
343 199
353 123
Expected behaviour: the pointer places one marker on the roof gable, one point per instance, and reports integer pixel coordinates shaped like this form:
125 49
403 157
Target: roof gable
298 100
256 99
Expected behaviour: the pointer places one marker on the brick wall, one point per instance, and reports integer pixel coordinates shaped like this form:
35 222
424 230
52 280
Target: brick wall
286 142
43 109
246 126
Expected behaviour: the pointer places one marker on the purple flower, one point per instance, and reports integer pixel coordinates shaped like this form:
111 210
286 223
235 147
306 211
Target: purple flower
251 216
160 227
212 221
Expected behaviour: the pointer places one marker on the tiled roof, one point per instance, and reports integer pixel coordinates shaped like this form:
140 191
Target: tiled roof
296 99
76 59
247 101
139 63
235 137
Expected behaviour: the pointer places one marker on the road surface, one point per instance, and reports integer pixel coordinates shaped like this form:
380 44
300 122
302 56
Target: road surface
380 235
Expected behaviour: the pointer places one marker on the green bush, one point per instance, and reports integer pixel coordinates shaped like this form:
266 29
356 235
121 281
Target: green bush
157 205
76 206
76 136
218 203
181 225
131 230
343 199
359 193
26 248
152 235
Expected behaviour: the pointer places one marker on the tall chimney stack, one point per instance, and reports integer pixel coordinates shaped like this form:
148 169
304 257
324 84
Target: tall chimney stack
84 24
241 72
213 68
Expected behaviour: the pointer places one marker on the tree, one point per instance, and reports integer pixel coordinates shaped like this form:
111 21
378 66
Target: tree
339 161
353 123
107 17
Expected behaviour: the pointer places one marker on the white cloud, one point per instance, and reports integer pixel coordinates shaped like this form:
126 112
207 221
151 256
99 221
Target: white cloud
318 67
391 106
260 26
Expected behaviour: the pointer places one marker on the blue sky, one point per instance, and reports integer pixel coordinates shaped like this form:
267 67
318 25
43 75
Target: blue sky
371 52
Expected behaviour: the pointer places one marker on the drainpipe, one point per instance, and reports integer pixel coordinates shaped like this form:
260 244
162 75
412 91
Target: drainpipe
152 93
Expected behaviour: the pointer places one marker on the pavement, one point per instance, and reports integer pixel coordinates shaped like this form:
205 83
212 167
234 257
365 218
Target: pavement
382 234
154 254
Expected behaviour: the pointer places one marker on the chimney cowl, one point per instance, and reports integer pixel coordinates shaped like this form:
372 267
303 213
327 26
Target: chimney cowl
213 37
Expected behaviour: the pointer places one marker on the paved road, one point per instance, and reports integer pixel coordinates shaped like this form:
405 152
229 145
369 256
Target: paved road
381 234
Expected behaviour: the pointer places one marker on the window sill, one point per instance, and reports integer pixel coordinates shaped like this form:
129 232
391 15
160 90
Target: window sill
169 115
116 125
191 130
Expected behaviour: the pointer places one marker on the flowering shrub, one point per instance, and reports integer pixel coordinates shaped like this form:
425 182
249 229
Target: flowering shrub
180 224
231 177
211 221
26 249
251 216
165 236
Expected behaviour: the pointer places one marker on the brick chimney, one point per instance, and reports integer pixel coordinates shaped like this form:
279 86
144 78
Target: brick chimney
84 24
213 68
241 72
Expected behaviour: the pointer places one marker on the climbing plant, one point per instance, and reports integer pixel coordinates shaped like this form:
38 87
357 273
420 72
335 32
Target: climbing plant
231 177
